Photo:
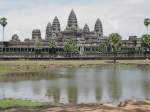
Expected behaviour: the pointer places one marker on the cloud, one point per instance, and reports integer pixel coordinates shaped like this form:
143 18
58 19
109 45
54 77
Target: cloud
125 17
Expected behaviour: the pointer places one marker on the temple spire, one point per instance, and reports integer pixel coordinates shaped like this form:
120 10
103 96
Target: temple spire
86 28
48 31
56 24
72 21
98 27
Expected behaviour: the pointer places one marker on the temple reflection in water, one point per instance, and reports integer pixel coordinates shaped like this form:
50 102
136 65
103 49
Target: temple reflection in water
83 85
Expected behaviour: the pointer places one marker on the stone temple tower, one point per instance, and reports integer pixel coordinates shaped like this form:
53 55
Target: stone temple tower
36 34
56 25
48 31
98 28
86 28
72 21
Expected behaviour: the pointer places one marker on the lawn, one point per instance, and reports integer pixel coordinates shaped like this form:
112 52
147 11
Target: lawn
70 62
30 66
7 103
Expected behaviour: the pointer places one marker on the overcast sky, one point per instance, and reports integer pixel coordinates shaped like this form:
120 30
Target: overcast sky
122 16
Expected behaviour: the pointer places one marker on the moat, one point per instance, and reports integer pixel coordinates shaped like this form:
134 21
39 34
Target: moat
78 85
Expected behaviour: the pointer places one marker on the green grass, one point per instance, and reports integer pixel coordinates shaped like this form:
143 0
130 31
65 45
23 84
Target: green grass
29 66
7 103
69 62
52 62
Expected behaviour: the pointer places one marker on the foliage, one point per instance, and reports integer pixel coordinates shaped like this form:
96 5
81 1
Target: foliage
38 43
102 47
52 46
3 21
7 103
115 41
52 43
71 46
146 41
146 22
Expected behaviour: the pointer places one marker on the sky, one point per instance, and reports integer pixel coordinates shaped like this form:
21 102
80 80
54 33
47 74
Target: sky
122 16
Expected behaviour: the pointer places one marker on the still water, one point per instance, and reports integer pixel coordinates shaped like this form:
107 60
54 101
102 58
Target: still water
78 85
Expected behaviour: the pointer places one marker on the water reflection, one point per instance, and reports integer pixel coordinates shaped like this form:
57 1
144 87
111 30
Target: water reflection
54 93
114 84
82 85
146 85
26 76
72 94
98 85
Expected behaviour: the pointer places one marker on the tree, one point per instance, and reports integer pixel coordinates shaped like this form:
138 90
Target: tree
3 22
115 42
102 47
146 43
38 46
52 46
71 47
147 23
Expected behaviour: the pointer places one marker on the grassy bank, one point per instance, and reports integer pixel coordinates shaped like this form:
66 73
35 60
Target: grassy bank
30 66
8 103
127 106
71 62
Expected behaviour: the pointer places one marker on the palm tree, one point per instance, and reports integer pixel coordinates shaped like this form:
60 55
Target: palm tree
115 42
3 22
52 46
146 43
147 23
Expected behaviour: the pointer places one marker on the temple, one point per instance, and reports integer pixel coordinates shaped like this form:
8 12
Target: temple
87 40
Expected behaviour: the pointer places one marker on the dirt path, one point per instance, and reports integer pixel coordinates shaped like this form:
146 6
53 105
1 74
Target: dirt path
128 106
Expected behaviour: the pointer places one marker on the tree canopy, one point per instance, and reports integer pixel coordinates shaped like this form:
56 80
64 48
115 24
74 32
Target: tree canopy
146 22
70 46
38 43
146 41
52 43
102 47
115 40
3 21
115 43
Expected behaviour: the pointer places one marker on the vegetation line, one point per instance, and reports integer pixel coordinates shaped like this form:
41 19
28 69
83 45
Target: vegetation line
8 103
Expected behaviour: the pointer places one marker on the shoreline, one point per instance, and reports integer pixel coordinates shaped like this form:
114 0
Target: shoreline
73 62
43 66
126 106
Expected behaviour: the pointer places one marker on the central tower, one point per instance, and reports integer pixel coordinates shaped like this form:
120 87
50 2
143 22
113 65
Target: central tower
72 21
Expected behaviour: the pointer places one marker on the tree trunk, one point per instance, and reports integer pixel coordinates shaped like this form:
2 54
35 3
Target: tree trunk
147 30
3 41
3 33
49 56
49 53
145 54
115 55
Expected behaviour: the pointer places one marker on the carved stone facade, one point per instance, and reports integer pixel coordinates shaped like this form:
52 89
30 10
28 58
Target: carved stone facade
86 39
72 31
